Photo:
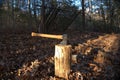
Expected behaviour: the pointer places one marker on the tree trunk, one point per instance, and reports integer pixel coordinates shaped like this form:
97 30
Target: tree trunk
35 15
83 15
13 15
30 15
42 27
111 12
90 8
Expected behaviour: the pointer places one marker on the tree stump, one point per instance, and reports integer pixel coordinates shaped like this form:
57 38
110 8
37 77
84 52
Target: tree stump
62 60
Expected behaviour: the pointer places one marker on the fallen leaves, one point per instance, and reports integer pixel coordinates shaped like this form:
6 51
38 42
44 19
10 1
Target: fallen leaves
24 57
28 70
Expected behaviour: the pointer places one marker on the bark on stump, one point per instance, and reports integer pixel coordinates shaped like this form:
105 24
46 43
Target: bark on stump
62 60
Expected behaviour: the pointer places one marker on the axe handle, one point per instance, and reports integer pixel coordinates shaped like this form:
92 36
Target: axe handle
47 35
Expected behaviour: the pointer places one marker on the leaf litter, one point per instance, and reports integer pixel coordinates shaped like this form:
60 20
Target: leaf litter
23 57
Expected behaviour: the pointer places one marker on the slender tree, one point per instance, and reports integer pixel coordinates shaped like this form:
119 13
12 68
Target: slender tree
83 14
13 13
29 13
35 14
42 27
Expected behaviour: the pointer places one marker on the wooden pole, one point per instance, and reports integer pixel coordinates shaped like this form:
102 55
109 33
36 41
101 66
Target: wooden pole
62 60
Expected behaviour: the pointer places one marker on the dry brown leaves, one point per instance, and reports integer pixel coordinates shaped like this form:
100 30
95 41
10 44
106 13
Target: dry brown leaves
23 57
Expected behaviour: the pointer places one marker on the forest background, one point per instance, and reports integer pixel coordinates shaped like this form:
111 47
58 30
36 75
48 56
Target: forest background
59 15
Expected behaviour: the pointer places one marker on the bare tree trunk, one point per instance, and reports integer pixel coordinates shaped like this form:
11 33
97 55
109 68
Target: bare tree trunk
90 8
42 27
1 18
35 14
30 15
8 14
29 8
13 15
18 4
83 15
111 12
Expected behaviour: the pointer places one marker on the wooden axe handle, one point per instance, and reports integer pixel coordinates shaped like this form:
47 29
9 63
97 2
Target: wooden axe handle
47 35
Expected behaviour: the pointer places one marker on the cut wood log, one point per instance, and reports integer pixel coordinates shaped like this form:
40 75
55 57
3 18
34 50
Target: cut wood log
62 60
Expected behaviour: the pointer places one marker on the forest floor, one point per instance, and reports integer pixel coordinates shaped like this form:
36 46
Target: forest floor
23 57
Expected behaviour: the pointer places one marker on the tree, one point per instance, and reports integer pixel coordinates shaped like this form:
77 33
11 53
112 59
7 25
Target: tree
83 14
1 3
42 27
